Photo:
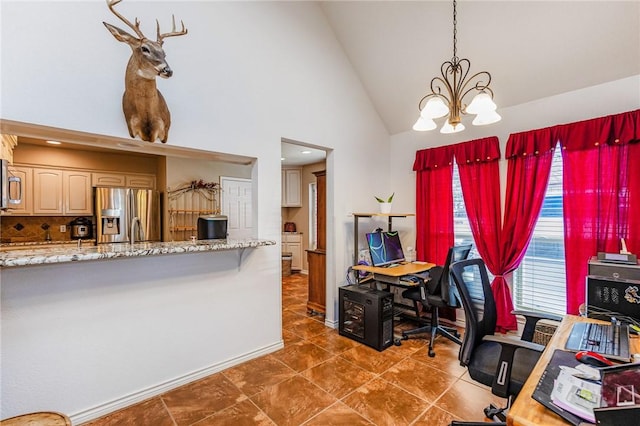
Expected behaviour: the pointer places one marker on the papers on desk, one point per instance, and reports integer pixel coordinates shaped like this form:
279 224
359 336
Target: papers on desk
575 394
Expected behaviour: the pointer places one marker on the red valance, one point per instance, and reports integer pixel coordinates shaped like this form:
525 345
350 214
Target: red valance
430 158
533 142
615 129
479 150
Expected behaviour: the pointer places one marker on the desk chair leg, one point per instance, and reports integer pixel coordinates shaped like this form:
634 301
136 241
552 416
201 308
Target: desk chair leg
450 333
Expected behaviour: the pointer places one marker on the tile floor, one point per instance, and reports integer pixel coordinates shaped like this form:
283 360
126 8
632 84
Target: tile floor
322 378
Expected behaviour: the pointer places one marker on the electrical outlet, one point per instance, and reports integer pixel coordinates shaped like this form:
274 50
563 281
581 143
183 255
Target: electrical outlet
63 228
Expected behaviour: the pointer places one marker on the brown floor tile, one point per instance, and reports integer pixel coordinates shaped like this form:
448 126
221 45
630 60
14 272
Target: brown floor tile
244 413
467 401
338 414
289 337
289 318
446 358
308 328
333 342
407 347
435 417
297 307
253 376
419 379
302 355
148 413
370 359
338 377
385 404
293 401
195 401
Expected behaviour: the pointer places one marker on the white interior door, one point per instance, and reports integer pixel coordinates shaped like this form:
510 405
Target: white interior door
236 205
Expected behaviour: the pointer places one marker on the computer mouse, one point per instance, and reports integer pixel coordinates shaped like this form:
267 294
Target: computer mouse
592 358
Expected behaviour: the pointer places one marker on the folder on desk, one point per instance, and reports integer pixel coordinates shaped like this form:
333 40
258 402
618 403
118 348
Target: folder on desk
543 390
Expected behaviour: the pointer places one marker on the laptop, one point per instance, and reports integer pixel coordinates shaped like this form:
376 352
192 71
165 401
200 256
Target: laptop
620 395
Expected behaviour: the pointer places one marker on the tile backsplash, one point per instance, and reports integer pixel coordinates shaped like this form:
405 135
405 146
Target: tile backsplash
15 229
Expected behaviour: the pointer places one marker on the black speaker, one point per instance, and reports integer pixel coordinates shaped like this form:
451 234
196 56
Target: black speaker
366 316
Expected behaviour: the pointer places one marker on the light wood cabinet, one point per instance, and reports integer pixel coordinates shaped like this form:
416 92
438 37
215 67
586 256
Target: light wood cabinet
141 181
76 193
123 180
318 258
24 191
47 192
292 187
107 179
292 243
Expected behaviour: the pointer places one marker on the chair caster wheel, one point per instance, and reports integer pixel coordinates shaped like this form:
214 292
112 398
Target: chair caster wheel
405 337
397 341
431 353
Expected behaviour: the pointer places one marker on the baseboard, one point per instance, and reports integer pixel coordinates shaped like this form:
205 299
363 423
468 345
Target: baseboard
331 324
133 398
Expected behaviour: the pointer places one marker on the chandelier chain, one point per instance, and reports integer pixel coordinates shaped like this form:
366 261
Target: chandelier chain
455 34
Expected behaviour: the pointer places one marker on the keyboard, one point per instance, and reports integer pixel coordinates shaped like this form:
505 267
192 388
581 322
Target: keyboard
609 340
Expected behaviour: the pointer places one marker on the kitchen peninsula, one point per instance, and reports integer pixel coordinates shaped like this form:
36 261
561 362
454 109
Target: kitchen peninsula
25 256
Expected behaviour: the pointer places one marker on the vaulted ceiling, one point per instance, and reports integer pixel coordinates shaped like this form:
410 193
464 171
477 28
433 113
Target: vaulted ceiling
533 49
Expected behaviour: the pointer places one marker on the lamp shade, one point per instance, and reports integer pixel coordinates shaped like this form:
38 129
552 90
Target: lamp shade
424 124
481 103
484 118
434 108
448 128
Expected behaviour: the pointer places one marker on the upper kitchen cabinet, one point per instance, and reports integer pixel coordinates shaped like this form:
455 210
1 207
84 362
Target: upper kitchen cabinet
292 187
129 180
61 192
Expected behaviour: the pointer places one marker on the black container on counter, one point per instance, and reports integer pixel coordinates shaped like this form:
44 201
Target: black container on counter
212 227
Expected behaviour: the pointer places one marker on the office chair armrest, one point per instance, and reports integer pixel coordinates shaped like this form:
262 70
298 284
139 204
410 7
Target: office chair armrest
531 320
514 343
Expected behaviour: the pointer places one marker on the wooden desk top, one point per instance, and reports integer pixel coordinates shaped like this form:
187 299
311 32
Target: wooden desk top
397 271
526 411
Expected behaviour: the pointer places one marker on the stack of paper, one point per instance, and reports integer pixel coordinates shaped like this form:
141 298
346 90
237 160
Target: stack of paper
576 395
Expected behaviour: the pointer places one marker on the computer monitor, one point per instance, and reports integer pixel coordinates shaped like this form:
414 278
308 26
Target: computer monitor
608 298
385 248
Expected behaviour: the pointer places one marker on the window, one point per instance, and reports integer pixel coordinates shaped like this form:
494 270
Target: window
539 283
461 227
313 216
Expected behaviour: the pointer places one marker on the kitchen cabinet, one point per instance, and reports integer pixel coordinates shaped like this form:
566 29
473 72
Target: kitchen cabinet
77 193
123 180
292 243
61 192
292 187
26 196
47 192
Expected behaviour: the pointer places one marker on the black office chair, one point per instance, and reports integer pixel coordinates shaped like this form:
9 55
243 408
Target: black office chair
498 361
434 293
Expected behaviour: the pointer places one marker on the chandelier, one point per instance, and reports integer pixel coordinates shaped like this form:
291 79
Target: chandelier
448 101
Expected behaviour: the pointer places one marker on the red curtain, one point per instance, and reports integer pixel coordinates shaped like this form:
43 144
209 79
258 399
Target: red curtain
529 158
434 203
601 162
480 180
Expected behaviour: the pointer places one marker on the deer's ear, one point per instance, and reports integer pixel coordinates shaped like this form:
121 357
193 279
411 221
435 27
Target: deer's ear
121 35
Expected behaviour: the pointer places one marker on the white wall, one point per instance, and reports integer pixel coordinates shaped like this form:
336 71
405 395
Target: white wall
596 101
246 76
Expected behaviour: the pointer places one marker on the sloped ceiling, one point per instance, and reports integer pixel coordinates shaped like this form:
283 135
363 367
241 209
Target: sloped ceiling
533 49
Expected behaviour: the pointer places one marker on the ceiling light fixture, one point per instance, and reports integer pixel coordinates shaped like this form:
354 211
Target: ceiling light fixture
456 85
305 152
54 143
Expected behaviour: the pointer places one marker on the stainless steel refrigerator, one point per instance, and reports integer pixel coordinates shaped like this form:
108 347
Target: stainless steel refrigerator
125 212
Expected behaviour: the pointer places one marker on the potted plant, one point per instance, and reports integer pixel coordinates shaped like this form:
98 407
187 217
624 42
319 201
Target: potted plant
385 204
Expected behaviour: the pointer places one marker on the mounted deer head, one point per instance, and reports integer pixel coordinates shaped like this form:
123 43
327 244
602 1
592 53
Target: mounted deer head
145 110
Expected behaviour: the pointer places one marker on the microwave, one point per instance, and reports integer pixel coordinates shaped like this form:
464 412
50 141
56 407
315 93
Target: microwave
10 187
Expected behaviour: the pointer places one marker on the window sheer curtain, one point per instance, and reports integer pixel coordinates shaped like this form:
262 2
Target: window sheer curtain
601 166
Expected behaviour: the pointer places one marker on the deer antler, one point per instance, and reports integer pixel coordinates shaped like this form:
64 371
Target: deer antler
135 27
173 32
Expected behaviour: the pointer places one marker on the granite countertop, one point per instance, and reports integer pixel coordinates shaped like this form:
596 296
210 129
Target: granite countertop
62 252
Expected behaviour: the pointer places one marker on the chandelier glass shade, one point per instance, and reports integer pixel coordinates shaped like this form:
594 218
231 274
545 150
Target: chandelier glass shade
448 91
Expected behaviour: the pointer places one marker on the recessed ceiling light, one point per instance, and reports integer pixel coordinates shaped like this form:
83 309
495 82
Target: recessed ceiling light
54 143
305 152
281 158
